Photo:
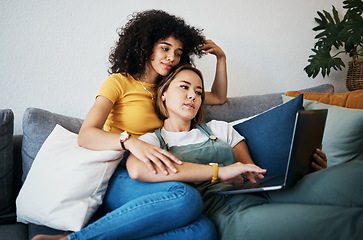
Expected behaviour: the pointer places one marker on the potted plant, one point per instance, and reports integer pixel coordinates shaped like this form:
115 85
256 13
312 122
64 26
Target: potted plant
339 36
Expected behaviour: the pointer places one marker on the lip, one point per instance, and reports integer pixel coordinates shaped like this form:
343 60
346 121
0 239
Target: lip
189 105
167 66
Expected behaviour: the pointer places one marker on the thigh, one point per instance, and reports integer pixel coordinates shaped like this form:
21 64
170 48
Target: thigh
123 189
202 228
293 221
339 185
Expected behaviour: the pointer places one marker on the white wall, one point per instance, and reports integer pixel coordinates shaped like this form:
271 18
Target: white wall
54 54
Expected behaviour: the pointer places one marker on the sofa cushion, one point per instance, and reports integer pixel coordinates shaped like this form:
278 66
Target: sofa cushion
351 99
16 231
6 163
343 135
268 135
63 197
37 125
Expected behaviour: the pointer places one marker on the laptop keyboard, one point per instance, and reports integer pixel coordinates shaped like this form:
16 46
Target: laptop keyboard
266 181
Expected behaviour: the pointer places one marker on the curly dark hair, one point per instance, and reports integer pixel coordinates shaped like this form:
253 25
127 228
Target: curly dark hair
139 35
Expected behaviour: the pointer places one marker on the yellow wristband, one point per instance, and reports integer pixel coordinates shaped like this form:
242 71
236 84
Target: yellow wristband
215 172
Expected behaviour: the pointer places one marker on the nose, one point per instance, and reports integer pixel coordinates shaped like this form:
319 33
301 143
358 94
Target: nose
192 95
170 57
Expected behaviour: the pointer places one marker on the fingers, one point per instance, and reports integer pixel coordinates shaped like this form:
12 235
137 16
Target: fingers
255 172
171 157
251 177
164 160
210 47
320 160
236 180
150 166
152 155
158 164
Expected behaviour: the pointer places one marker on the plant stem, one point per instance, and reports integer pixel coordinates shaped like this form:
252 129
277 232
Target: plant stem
338 53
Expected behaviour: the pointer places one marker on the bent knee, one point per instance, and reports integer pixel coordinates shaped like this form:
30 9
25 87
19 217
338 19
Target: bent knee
204 228
189 199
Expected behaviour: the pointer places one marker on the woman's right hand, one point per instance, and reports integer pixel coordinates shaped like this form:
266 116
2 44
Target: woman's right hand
235 170
149 154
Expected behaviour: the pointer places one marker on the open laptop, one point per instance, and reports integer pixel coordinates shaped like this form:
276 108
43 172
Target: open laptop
307 136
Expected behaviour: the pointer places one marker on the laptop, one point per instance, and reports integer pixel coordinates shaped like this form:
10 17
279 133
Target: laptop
307 136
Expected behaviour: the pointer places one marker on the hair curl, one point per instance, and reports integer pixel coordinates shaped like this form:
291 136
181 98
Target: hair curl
160 108
139 35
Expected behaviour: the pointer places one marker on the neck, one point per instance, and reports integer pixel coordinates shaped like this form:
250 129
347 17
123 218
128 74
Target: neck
148 76
176 125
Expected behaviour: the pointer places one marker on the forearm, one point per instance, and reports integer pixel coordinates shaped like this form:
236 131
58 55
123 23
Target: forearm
97 139
187 172
220 84
218 94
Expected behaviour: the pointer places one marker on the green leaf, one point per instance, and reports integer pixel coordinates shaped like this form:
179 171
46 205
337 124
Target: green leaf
354 5
322 61
336 32
330 27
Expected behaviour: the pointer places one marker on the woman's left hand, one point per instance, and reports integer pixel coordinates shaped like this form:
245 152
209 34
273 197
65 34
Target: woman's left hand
210 47
320 160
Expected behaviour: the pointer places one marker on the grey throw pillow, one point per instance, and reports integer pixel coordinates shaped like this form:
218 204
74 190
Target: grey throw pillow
6 160
37 125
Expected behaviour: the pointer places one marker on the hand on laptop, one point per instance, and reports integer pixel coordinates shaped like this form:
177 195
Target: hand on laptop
320 160
233 171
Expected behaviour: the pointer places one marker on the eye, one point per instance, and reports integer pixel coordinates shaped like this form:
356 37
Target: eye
199 93
178 54
165 49
184 87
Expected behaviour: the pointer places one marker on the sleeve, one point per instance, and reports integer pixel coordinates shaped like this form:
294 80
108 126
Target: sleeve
225 132
111 88
150 138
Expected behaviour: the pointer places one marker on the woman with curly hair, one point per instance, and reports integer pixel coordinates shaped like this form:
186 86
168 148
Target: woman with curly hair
150 46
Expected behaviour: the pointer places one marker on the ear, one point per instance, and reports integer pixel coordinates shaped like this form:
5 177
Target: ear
163 97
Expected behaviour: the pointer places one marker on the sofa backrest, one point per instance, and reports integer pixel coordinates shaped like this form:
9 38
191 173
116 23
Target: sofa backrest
39 123
245 106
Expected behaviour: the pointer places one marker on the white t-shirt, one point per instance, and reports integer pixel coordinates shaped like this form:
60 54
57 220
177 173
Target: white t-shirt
222 130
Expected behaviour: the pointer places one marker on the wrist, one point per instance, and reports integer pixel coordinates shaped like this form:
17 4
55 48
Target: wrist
124 137
129 143
221 57
215 175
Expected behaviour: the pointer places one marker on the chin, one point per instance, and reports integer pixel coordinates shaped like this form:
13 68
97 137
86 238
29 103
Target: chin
164 73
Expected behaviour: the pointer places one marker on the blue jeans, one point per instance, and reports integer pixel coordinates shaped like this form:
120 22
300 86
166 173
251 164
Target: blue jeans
139 210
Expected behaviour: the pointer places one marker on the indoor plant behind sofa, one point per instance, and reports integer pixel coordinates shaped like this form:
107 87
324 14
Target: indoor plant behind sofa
37 125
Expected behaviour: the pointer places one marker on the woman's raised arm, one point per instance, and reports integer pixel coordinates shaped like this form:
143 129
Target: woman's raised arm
218 94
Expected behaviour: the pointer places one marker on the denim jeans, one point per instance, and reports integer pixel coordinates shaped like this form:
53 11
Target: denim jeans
140 210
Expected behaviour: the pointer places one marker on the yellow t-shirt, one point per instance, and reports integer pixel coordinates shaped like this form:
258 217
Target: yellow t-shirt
133 110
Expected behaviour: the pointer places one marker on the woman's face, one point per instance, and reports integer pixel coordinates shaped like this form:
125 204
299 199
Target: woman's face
183 98
166 55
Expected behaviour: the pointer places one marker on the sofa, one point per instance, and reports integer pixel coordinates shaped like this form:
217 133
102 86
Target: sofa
19 151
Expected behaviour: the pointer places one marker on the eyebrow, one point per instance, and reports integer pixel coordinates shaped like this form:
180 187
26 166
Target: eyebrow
184 81
166 43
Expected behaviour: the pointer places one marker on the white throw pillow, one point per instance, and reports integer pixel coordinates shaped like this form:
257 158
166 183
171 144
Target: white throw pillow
66 183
